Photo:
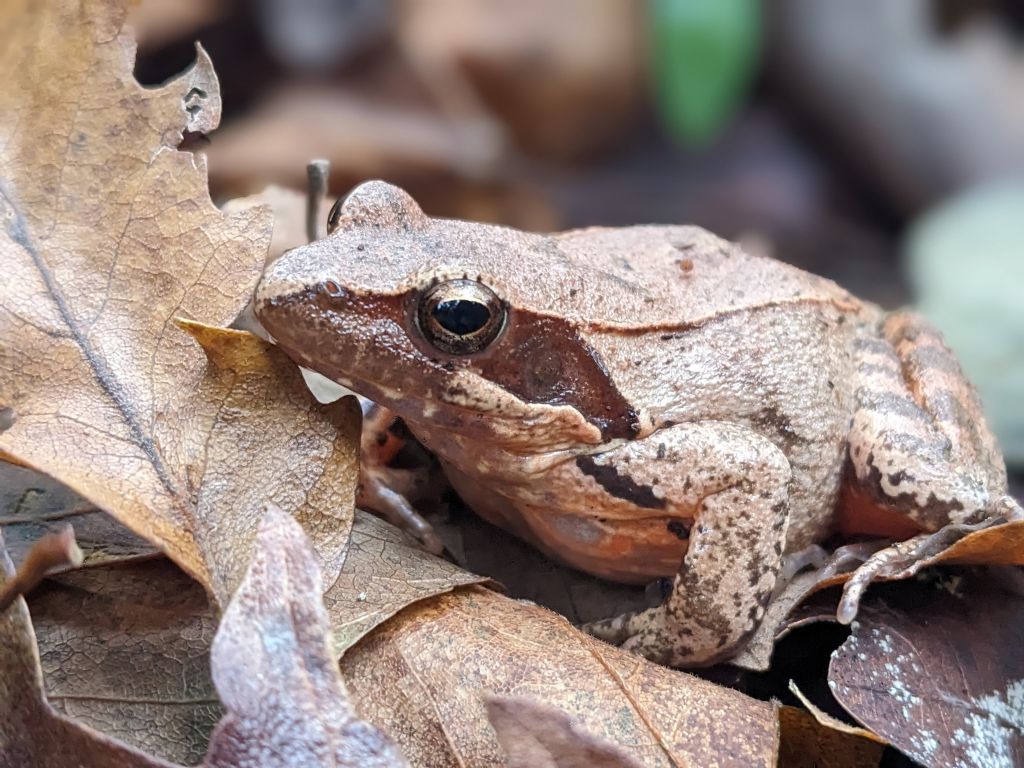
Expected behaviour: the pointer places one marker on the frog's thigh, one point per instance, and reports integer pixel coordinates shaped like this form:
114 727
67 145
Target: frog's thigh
737 483
919 444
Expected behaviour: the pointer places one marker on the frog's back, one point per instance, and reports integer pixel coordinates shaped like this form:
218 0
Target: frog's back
684 273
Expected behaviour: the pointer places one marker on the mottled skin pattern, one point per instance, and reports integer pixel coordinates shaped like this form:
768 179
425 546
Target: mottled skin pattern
655 392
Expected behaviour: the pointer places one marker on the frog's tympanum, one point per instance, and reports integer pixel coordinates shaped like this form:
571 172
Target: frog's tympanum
642 402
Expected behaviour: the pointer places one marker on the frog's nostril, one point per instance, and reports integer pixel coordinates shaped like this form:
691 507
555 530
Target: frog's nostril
332 289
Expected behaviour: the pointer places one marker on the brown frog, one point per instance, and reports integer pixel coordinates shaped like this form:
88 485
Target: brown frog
642 402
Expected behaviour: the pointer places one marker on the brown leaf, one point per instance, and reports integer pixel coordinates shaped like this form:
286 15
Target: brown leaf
32 504
998 545
272 665
757 653
805 743
936 669
385 571
125 650
110 234
31 732
264 438
288 207
424 674
276 674
534 735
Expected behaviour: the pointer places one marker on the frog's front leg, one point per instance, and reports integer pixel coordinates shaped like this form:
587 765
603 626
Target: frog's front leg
733 483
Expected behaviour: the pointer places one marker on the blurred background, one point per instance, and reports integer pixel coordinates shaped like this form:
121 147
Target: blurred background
878 143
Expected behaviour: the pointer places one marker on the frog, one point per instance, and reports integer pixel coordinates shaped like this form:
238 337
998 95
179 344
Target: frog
643 403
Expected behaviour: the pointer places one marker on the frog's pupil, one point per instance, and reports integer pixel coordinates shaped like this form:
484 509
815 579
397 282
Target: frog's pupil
461 316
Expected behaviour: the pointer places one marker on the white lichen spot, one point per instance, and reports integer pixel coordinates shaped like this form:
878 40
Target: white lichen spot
991 727
925 745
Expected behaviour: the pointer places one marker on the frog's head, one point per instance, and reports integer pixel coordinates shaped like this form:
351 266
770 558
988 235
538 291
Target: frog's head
448 323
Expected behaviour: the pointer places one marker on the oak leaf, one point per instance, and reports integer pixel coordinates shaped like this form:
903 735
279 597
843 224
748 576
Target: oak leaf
31 731
110 235
533 735
125 650
273 667
424 676
32 505
385 571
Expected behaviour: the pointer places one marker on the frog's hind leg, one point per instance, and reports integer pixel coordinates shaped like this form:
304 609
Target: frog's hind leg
920 447
919 444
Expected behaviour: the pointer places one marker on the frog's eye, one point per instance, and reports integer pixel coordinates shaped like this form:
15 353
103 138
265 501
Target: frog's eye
460 317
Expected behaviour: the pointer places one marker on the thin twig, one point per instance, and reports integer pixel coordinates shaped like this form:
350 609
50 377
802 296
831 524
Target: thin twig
318 174
52 550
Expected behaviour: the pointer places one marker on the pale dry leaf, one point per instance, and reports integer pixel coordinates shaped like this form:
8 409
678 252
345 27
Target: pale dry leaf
385 571
423 675
273 667
289 210
251 433
111 235
31 732
534 735
125 650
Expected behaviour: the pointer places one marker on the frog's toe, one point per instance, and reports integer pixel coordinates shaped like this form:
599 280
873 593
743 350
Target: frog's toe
614 631
1009 509
658 635
905 558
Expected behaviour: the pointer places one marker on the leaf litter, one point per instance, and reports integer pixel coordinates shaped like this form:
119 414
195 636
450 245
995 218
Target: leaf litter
183 432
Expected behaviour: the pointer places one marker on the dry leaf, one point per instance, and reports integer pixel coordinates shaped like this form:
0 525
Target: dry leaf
33 504
125 650
263 438
998 545
52 551
537 736
937 670
385 571
288 207
805 743
273 667
757 653
110 233
424 674
31 732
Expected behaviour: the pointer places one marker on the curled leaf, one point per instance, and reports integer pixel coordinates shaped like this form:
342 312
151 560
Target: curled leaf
273 667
